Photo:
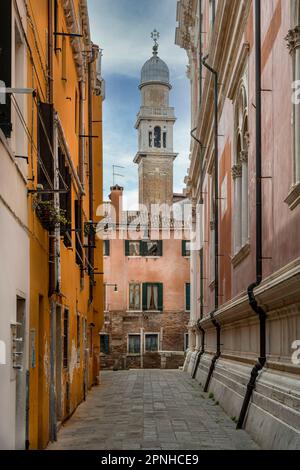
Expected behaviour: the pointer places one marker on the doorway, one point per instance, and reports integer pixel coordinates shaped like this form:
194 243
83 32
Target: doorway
20 374
58 364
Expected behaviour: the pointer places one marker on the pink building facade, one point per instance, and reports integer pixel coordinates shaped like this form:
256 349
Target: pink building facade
245 313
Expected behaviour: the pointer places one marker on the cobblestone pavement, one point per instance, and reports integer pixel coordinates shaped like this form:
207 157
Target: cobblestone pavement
150 409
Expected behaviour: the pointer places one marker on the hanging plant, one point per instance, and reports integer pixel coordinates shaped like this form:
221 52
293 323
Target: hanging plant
89 229
50 216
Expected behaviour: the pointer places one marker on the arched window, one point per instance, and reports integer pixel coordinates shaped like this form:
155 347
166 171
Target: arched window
240 171
293 40
157 137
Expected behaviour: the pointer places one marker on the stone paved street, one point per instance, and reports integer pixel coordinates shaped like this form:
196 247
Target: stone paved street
150 409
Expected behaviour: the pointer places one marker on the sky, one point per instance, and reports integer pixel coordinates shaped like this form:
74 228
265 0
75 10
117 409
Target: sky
122 28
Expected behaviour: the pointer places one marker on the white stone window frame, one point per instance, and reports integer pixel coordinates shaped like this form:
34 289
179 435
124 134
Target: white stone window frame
129 310
158 341
293 42
131 353
240 174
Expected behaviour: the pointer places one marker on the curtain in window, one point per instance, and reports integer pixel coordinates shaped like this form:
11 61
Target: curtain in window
152 297
134 344
134 248
134 297
151 343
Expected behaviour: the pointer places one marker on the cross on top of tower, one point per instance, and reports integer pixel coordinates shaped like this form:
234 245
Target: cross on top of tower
155 36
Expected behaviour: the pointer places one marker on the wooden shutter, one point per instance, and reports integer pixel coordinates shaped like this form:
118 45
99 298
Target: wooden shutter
160 297
188 296
126 247
144 295
160 248
45 146
5 64
107 247
183 248
78 227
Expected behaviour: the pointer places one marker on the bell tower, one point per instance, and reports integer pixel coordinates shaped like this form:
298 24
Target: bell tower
155 122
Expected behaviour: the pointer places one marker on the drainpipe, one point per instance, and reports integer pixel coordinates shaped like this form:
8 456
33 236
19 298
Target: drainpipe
200 354
259 311
215 322
91 169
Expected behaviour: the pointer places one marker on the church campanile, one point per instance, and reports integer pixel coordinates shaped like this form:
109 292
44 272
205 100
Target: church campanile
155 122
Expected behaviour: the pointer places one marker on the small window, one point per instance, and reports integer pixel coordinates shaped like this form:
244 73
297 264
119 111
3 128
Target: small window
186 341
134 344
134 296
165 140
157 137
78 337
150 139
104 344
186 248
152 248
106 248
66 339
132 248
64 59
187 297
151 342
153 297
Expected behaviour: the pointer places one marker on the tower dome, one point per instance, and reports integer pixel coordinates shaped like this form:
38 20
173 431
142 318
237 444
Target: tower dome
155 69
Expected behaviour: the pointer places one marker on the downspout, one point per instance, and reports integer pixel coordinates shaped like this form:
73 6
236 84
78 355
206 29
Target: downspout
215 322
91 243
201 352
250 291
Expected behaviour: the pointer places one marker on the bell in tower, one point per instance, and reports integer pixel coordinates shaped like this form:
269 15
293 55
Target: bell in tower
155 122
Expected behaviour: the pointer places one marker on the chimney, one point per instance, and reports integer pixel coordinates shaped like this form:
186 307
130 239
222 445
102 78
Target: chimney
116 197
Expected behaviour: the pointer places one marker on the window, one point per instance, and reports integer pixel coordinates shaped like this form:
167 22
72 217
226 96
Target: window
151 342
134 344
187 297
293 198
165 140
78 337
152 248
64 59
65 198
5 65
134 296
186 248
66 339
153 296
104 343
106 247
144 248
186 341
132 248
157 137
45 174
240 172
150 138
78 233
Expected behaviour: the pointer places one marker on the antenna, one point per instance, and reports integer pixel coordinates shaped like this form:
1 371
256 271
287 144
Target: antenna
116 174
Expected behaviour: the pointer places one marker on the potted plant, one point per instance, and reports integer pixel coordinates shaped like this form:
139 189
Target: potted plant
50 216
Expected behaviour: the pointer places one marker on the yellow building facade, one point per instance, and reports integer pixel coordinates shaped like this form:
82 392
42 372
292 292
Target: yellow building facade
65 189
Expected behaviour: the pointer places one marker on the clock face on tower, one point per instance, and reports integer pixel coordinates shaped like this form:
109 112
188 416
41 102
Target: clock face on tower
155 122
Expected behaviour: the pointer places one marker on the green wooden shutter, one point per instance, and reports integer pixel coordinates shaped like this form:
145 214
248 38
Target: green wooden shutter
126 247
188 296
145 286
143 248
5 65
160 248
107 247
160 297
183 248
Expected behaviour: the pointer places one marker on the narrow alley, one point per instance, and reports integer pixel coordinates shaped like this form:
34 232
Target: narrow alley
150 409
